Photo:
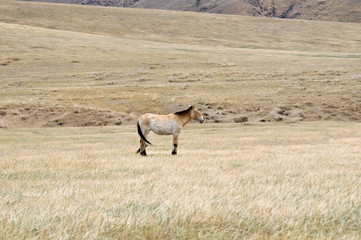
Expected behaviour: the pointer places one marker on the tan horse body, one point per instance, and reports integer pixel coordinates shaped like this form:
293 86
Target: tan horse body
170 124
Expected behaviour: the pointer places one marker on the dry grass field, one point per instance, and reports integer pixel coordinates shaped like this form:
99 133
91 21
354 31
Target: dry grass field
70 65
291 170
228 181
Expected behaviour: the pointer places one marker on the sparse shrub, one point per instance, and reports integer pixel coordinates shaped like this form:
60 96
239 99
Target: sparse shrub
241 119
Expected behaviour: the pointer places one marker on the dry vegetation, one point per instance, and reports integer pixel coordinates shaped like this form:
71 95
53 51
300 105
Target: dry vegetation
298 181
70 65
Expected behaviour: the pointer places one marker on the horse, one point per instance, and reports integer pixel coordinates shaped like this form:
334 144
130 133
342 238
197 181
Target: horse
170 124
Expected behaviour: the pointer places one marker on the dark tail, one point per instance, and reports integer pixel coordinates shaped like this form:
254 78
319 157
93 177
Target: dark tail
141 134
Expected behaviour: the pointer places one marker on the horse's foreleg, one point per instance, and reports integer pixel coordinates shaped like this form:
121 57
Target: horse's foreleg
175 144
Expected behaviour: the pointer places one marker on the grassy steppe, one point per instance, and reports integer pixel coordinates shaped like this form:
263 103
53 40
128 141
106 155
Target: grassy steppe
66 65
266 181
61 63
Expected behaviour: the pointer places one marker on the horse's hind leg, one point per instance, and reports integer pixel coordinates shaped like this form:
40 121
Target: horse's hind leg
175 144
143 144
141 150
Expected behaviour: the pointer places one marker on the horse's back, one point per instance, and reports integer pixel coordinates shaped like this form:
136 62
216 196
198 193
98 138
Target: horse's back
152 116
148 117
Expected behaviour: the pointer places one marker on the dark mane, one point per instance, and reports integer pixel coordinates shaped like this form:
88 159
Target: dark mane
184 111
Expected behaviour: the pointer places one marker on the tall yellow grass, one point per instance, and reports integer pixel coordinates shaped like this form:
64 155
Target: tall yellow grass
227 182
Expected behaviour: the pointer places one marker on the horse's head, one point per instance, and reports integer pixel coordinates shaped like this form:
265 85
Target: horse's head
196 115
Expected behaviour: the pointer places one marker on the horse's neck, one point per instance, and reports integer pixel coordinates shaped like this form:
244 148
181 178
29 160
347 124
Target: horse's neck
185 119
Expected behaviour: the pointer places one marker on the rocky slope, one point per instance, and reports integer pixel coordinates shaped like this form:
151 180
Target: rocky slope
331 10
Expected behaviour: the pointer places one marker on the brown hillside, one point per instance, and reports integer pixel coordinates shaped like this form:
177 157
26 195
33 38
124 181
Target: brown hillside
331 10
334 10
74 65
107 3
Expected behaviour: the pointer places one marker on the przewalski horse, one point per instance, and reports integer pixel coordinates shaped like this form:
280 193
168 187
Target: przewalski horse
170 124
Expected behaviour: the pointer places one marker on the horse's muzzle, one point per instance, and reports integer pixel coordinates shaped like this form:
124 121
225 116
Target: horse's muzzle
201 119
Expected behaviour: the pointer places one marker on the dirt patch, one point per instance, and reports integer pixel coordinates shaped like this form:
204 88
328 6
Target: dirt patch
308 112
15 116
22 115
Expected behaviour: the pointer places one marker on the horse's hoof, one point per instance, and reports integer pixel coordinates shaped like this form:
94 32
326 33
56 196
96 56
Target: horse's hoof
143 153
174 153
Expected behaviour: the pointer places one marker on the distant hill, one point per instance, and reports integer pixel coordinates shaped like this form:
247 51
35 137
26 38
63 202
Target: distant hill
107 3
330 10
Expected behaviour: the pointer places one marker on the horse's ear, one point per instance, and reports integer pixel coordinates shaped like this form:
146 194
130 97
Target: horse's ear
191 106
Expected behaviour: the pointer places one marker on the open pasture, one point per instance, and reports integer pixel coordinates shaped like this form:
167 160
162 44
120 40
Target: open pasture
70 65
228 181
